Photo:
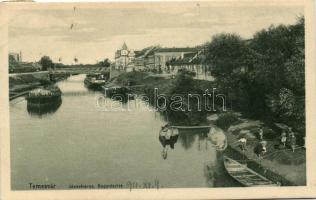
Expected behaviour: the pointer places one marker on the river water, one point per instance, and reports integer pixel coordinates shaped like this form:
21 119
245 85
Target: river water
80 143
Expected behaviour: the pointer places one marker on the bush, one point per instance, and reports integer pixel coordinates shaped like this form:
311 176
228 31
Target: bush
131 78
225 120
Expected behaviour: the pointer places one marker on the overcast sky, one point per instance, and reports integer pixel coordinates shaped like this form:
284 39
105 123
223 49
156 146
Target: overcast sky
98 32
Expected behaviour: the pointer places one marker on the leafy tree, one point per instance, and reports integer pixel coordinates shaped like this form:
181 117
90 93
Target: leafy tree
272 86
225 53
12 59
46 63
105 63
183 81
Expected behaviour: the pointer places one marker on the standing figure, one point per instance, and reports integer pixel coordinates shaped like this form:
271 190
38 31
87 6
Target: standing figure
243 143
283 138
293 142
261 149
291 133
264 147
261 133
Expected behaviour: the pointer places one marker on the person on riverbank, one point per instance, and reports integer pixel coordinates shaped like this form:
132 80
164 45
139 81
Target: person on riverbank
293 142
261 133
243 143
167 137
264 147
291 133
283 138
261 149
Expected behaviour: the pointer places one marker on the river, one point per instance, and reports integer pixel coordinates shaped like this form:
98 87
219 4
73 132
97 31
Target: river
79 143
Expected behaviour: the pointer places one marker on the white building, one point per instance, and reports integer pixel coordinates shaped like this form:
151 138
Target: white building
124 58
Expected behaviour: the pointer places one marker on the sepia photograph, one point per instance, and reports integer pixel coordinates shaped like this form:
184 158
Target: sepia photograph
129 96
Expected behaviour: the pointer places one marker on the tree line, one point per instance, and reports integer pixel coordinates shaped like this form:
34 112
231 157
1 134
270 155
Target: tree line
47 63
263 77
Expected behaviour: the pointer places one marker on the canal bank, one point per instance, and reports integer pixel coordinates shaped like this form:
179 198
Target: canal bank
279 165
21 84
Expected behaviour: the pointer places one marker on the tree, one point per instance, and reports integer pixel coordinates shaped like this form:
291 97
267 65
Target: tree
12 59
225 53
105 63
273 85
76 60
46 63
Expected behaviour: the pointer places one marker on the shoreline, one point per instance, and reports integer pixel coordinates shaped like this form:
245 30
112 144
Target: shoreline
293 174
21 85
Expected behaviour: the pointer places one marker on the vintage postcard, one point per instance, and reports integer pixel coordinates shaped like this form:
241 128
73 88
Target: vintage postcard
158 100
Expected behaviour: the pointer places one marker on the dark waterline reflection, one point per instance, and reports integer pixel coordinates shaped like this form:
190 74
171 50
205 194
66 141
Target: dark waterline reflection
43 110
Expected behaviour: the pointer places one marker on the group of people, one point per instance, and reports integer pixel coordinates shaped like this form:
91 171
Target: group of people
261 147
288 138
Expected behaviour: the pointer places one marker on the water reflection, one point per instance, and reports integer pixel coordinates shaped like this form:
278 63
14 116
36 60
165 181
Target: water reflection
43 109
203 139
216 175
167 137
188 137
93 89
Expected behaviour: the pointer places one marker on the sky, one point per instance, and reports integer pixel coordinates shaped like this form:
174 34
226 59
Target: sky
92 33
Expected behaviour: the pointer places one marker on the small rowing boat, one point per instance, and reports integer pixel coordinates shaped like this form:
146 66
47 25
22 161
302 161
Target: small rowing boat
244 175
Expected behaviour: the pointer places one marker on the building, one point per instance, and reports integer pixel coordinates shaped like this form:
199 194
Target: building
145 59
155 58
164 55
124 58
17 56
193 62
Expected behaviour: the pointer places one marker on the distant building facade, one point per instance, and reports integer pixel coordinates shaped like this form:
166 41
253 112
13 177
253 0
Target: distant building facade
156 58
194 62
124 58
163 55
166 60
145 59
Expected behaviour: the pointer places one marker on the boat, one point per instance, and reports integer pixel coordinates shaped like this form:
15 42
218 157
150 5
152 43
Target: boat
43 96
244 175
113 90
95 81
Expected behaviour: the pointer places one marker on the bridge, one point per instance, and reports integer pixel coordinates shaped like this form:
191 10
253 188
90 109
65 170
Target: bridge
65 70
80 70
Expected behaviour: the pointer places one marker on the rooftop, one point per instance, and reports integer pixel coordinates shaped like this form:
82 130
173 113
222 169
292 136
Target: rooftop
174 49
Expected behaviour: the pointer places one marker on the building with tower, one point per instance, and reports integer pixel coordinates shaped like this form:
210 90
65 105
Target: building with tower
124 58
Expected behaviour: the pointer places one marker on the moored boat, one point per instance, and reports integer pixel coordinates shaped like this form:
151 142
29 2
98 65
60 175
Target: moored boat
244 175
95 81
113 90
43 96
